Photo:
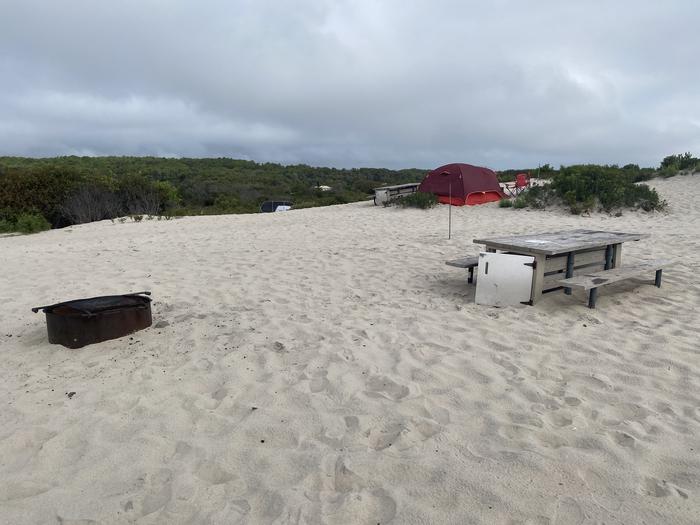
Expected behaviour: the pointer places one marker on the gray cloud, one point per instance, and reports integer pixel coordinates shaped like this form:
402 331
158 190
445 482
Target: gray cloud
352 83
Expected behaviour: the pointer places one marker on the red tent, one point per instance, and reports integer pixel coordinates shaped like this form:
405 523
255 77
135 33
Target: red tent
469 184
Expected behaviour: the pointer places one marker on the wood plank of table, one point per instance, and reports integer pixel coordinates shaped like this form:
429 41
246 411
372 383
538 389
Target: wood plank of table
589 280
537 279
555 243
556 263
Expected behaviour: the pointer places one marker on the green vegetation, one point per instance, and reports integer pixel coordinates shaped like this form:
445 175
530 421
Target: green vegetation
75 190
520 201
672 164
32 223
66 195
417 200
538 197
505 203
7 226
25 223
585 188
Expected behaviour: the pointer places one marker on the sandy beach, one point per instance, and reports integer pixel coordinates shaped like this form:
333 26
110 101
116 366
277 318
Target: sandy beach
326 366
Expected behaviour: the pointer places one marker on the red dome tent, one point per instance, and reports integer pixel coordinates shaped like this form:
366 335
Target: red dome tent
470 184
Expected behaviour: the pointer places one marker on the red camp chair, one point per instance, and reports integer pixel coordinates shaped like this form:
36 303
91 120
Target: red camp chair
521 180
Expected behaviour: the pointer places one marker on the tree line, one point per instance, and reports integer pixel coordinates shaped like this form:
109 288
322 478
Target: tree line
62 191
54 192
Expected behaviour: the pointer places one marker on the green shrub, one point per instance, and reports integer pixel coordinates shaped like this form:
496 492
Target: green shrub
25 223
505 203
644 197
137 218
667 172
7 226
538 197
37 189
583 188
679 162
419 199
520 202
31 223
577 208
228 204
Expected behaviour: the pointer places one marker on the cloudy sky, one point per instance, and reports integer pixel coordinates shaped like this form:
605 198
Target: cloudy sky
393 83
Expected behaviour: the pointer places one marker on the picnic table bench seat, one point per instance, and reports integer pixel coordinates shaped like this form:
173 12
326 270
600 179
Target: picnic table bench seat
593 280
465 262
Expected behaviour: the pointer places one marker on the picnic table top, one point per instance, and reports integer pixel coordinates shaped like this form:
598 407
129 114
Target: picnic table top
554 243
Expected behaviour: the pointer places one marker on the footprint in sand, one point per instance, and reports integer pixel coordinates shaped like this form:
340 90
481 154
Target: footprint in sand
212 473
661 489
427 428
182 449
551 440
601 491
20 490
219 394
506 365
271 505
624 439
384 435
241 506
345 480
436 413
633 411
572 401
365 506
382 386
560 419
568 512
160 493
352 423
319 382
279 348
525 418
599 381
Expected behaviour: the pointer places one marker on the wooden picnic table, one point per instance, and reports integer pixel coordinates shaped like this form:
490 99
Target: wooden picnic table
563 254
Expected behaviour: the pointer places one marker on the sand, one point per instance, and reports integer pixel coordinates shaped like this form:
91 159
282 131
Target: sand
326 366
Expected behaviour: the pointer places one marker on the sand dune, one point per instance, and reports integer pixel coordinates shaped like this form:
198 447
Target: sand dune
325 366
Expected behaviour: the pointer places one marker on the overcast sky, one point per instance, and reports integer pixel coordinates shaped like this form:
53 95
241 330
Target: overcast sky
392 83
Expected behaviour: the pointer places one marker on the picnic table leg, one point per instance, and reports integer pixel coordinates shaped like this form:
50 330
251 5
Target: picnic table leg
617 255
470 279
609 256
537 279
657 279
592 295
569 270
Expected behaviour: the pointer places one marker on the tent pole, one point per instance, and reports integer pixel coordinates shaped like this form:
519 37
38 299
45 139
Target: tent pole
449 220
